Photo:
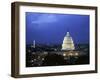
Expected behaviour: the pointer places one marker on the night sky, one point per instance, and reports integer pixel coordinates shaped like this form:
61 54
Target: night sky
49 28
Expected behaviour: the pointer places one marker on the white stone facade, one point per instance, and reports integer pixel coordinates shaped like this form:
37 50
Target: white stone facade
68 43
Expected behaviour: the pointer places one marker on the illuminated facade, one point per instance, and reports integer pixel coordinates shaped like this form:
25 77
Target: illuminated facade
68 43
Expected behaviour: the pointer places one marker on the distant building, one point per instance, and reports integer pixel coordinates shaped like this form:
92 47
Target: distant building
68 43
33 45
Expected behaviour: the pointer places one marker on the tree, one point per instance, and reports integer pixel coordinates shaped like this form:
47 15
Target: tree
53 59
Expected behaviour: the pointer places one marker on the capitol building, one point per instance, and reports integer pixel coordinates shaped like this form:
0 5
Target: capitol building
68 46
68 43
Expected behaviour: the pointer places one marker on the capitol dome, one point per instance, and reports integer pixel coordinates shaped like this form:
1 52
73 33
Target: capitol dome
68 43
